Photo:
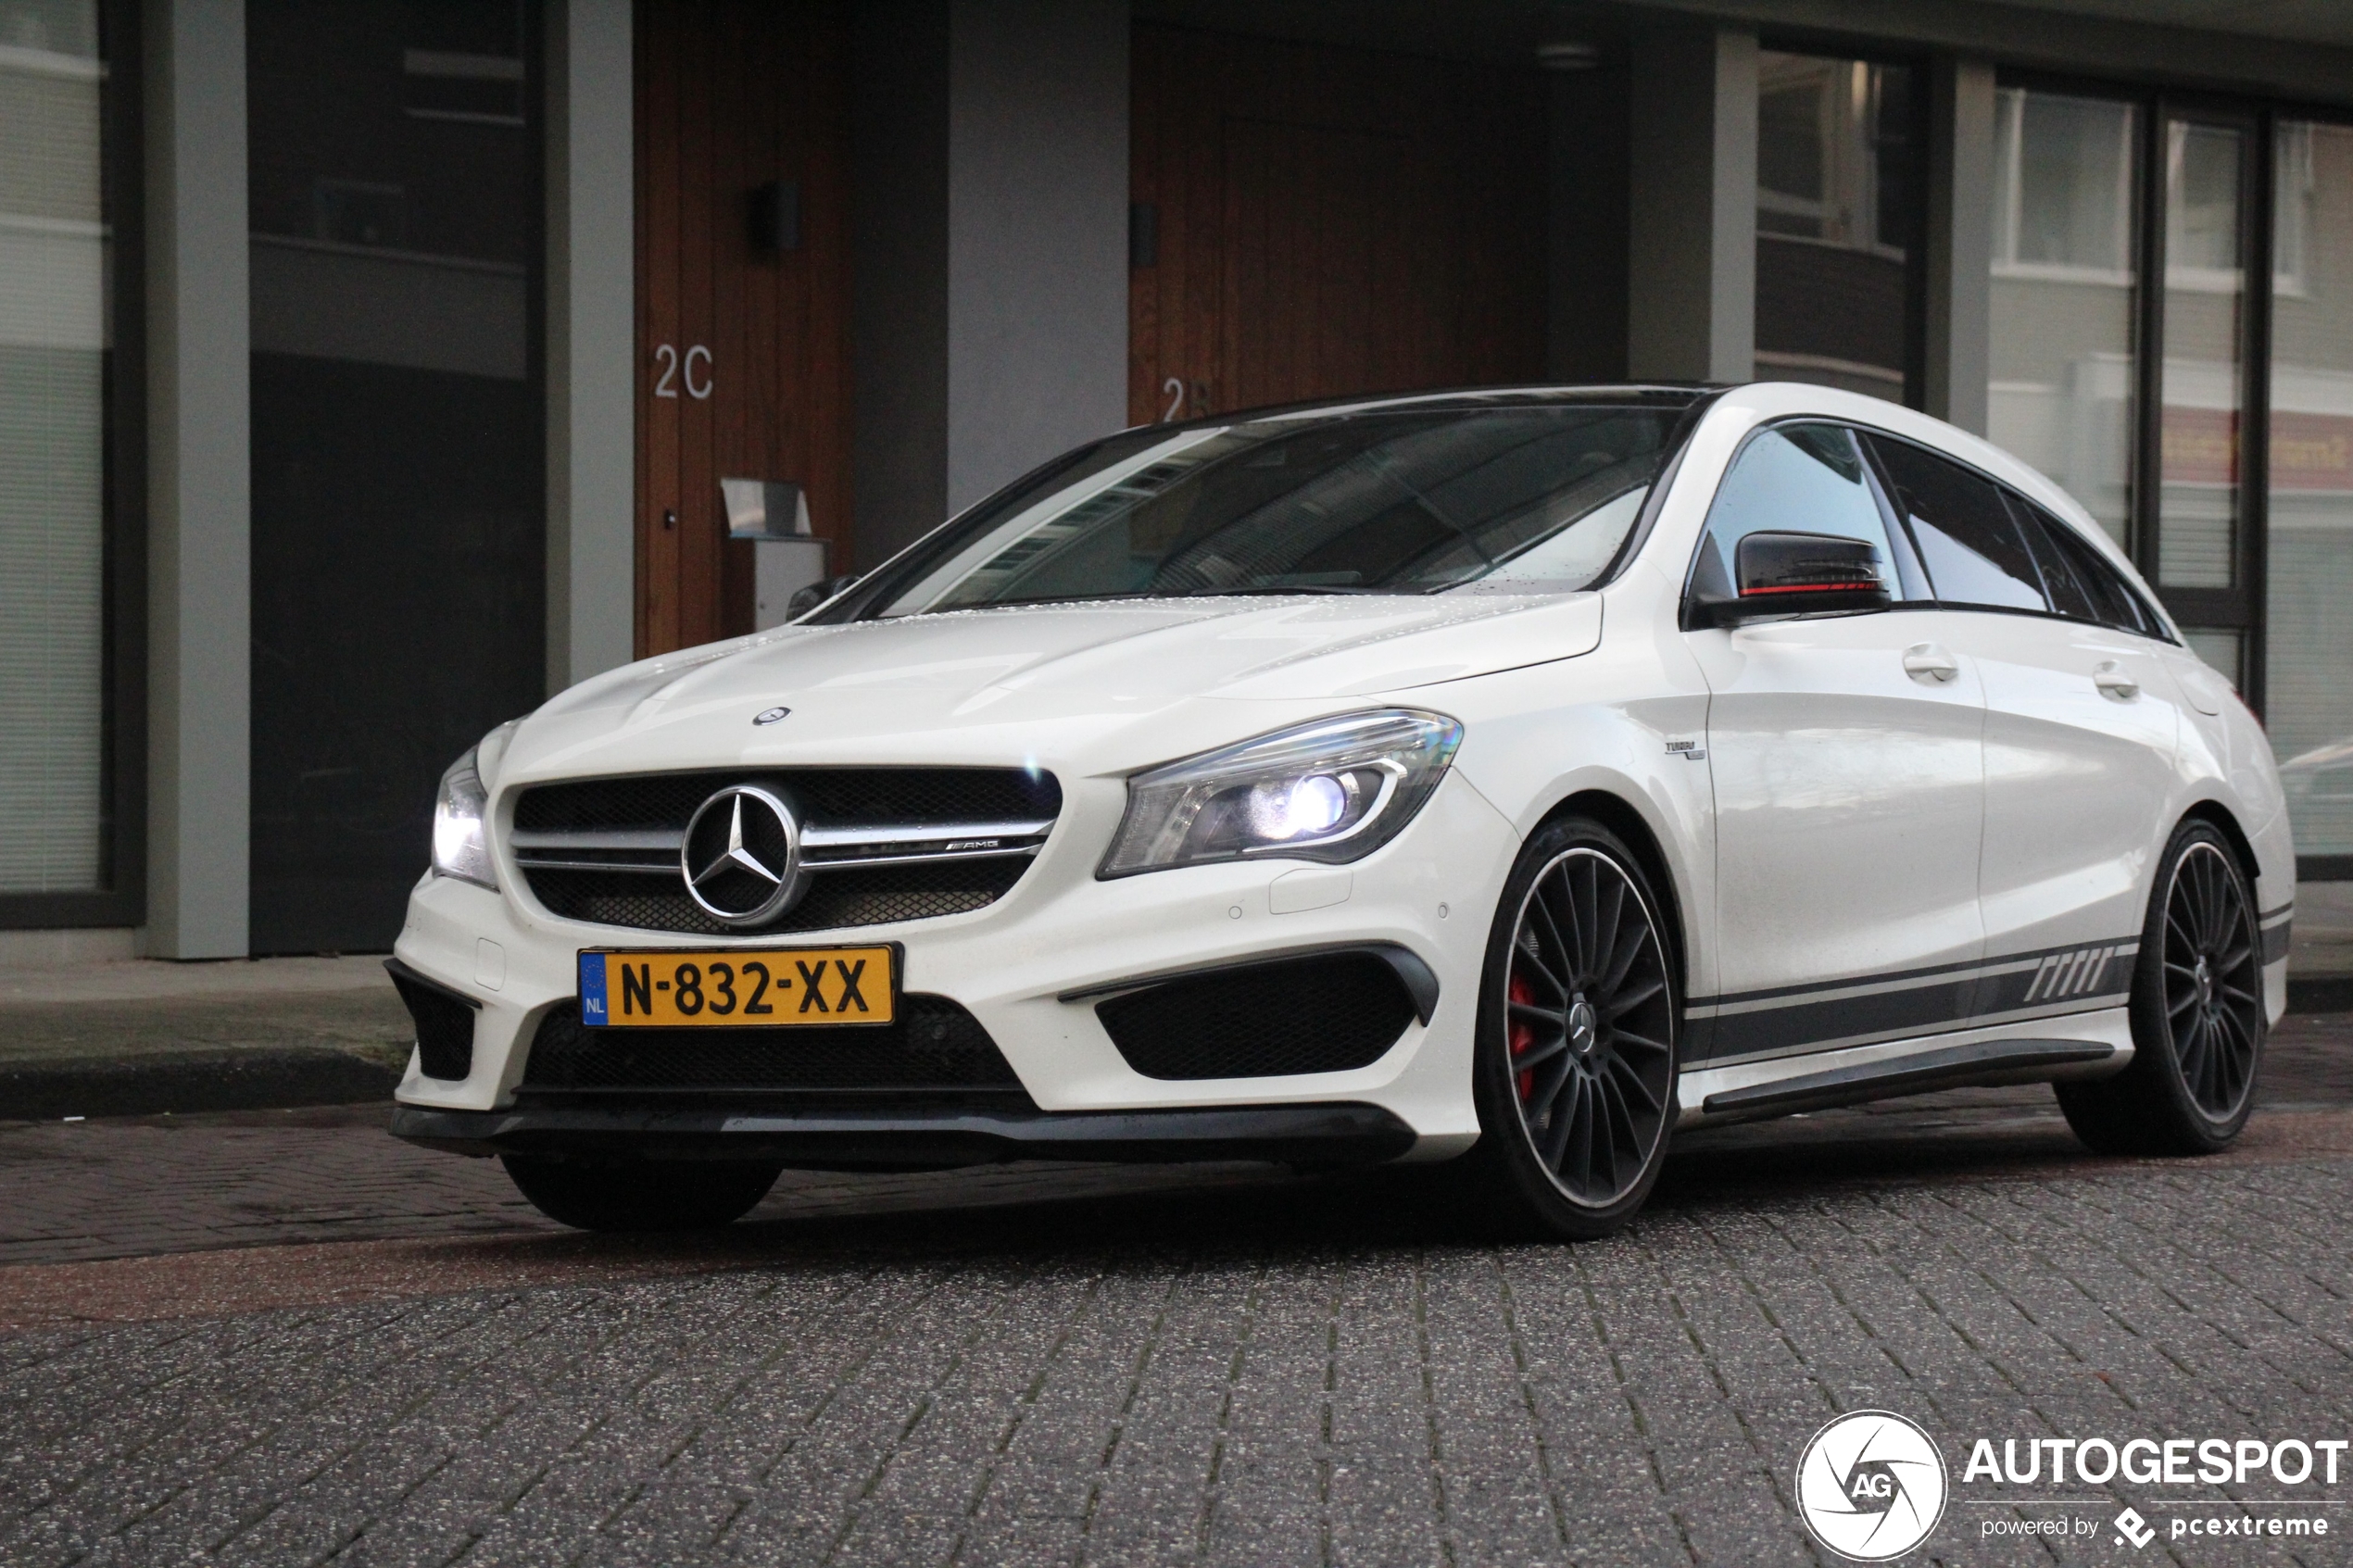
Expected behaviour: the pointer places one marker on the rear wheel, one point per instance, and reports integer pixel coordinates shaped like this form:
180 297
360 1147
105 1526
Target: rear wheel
679 1195
1575 1062
2198 1026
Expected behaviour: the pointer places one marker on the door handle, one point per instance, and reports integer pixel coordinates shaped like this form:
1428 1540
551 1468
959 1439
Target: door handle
2113 681
1926 661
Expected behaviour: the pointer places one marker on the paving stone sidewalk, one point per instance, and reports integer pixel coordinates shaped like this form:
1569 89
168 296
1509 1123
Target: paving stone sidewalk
1207 1378
128 1186
133 1037
1239 1368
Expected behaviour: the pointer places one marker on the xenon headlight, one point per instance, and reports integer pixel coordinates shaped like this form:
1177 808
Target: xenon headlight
1336 789
461 841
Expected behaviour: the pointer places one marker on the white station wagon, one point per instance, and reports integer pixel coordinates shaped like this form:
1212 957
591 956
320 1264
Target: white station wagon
1511 776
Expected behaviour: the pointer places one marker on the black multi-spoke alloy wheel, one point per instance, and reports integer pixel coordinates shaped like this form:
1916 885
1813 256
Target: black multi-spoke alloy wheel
674 1195
2198 1022
1575 1056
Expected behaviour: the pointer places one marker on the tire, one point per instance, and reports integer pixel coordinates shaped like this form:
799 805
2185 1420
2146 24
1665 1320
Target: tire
1574 1066
647 1195
2198 1024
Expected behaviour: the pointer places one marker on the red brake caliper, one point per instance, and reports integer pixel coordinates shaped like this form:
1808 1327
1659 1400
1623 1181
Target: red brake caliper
1522 1038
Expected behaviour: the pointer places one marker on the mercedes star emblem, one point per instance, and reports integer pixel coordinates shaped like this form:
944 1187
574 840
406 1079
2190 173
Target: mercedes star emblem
741 858
769 715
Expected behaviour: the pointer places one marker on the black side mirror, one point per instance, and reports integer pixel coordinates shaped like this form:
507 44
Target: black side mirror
817 593
1802 574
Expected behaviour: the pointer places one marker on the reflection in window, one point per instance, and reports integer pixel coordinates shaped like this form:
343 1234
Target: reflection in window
53 347
1513 500
1794 479
2204 380
1968 538
1837 201
2298 193
2307 697
397 503
2060 391
2064 184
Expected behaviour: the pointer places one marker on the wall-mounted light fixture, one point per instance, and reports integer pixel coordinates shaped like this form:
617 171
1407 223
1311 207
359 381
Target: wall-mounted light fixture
776 215
1567 56
1143 234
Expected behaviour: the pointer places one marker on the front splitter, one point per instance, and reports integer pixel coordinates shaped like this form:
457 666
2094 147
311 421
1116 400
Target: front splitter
910 1138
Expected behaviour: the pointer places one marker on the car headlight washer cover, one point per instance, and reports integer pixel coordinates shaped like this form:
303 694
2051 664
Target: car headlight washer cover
1333 789
460 837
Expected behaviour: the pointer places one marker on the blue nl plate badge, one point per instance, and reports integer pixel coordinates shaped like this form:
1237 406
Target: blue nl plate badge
592 988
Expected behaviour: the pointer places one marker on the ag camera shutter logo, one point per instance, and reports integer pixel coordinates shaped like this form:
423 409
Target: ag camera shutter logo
1870 1485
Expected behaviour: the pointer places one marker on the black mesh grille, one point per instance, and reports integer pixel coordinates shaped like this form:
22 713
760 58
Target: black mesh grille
445 1028
821 797
935 1046
1322 1015
833 797
835 899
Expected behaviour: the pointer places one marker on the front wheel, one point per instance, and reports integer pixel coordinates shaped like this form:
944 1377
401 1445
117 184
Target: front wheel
2198 1022
677 1195
1574 1066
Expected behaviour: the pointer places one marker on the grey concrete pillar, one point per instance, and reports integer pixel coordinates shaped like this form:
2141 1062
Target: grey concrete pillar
1692 207
1960 240
990 227
592 325
200 485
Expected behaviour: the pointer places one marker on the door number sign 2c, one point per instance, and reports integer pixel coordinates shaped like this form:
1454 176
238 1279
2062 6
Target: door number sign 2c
679 370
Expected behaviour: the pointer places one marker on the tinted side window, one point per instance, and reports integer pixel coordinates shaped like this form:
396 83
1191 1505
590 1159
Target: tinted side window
1794 479
2070 595
2082 585
1973 550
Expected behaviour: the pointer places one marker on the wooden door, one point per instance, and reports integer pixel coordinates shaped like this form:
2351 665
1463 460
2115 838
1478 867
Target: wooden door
1318 221
743 346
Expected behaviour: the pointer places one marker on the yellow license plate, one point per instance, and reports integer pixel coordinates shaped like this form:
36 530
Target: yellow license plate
761 987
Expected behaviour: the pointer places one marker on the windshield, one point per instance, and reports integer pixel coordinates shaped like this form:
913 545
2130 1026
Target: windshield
1519 499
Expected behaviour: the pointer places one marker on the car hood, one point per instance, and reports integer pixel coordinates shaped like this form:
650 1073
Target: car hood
1008 677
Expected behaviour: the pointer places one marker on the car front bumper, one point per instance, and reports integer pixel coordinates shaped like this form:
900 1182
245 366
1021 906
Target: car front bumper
1030 969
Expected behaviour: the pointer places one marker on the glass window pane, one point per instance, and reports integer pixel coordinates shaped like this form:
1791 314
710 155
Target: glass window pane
2070 595
2307 675
2061 389
1797 479
2198 501
397 570
1974 552
1499 500
1837 196
53 345
2063 554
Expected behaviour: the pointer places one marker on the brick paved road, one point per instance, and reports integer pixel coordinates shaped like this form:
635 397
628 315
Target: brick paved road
1126 1368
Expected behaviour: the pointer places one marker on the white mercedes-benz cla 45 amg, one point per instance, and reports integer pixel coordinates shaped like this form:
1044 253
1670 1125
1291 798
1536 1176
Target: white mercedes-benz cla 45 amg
1509 776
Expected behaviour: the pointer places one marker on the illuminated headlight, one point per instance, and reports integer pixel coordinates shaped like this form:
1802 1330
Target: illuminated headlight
461 842
1336 789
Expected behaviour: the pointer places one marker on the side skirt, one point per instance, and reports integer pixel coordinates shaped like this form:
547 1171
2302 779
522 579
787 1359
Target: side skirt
2088 1044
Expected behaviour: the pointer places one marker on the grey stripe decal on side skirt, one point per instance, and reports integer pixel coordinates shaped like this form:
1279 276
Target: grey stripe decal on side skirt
1865 1007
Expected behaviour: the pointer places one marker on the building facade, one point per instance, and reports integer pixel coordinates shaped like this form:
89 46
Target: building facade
370 369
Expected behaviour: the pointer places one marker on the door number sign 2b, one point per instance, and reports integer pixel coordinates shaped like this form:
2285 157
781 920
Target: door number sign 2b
679 370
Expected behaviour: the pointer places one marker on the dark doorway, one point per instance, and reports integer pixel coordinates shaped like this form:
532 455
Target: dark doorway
397 517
